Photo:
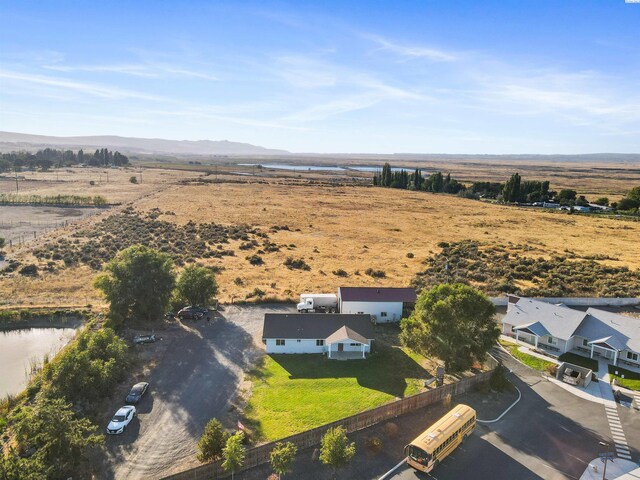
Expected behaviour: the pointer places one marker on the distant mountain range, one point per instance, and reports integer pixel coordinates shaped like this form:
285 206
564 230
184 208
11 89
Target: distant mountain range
10 141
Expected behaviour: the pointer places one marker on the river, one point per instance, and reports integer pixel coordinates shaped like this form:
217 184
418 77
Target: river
19 349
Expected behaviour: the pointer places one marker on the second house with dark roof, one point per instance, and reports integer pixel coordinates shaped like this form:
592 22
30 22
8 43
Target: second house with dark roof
338 336
383 304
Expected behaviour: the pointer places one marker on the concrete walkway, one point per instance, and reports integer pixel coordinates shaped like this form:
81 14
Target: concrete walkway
617 469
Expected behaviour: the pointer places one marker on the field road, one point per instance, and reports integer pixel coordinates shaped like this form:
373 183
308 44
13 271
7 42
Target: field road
550 434
196 379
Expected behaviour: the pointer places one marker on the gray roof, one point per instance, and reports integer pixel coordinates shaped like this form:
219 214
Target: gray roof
601 324
314 325
598 326
377 294
560 322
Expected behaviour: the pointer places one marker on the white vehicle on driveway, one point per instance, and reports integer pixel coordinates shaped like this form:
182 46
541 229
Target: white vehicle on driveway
121 419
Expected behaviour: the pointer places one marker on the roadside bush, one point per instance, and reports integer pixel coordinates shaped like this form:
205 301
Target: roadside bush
373 445
552 369
296 264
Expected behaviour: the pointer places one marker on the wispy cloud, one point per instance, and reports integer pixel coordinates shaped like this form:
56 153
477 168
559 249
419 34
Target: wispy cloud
412 51
93 89
146 70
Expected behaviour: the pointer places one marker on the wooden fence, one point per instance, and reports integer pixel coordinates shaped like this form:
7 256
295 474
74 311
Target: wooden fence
260 454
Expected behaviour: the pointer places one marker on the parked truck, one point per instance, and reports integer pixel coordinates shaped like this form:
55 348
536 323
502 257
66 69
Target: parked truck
318 303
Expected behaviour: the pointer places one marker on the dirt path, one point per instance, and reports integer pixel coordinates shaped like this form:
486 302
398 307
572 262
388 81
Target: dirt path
196 379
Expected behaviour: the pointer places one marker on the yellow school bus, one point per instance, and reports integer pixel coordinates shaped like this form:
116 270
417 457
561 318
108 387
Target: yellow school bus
441 438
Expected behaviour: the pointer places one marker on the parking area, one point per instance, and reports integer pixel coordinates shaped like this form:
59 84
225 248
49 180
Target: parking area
198 371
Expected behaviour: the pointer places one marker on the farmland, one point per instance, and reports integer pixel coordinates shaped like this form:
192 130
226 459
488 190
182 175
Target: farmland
273 236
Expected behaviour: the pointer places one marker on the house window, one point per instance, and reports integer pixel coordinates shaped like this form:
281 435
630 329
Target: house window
319 343
383 314
632 356
551 341
279 342
585 343
360 313
355 344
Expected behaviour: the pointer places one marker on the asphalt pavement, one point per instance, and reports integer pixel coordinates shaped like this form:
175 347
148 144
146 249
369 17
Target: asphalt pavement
550 434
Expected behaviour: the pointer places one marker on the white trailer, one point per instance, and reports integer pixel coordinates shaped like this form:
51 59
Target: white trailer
318 302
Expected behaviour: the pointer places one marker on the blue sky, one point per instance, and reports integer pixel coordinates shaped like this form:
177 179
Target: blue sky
423 76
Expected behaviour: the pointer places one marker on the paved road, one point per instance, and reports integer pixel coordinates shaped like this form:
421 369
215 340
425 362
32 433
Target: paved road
196 379
550 434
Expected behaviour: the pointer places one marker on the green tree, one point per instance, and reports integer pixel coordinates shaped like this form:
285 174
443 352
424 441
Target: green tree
282 457
196 285
58 438
14 467
567 196
511 189
604 201
335 449
138 283
212 442
3 242
634 194
233 453
453 322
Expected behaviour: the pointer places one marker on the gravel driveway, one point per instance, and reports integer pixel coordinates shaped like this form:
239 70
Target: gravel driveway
196 378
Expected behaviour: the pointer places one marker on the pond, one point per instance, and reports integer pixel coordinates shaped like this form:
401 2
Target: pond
20 349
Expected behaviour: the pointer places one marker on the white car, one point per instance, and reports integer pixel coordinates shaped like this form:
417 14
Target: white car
121 419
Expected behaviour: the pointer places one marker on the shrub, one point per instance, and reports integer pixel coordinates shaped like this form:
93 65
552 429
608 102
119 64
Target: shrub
296 264
375 273
552 369
255 260
498 381
340 273
29 270
373 444
133 179
410 255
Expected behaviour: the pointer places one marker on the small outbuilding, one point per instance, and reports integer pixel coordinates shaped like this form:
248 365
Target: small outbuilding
339 336
383 304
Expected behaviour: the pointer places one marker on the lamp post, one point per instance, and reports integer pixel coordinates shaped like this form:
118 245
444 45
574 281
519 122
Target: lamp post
606 457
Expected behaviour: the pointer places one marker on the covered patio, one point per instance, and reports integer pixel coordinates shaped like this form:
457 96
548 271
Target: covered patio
346 344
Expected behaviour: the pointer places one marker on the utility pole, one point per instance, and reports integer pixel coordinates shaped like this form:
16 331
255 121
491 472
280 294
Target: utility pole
15 169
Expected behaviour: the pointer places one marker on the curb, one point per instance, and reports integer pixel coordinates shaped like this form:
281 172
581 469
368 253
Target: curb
506 411
393 469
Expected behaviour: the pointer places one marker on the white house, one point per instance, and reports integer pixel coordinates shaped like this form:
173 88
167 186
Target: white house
383 304
596 333
339 336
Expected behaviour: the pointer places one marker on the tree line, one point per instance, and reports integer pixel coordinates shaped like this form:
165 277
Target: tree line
50 157
514 190
78 200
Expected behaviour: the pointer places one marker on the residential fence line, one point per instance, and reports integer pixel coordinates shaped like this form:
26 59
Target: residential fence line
261 454
578 301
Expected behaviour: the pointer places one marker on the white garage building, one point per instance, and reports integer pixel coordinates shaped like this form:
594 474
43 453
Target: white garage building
339 336
383 304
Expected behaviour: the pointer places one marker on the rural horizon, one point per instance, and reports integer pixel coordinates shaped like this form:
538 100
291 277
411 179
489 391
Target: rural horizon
317 240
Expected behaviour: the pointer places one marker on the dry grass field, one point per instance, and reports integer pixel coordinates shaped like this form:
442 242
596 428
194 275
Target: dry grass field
352 228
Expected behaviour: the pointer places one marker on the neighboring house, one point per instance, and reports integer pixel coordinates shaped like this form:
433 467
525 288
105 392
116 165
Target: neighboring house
383 304
338 335
558 328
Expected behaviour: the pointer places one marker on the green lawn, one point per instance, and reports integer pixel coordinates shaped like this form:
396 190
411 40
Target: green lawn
631 379
529 360
579 360
292 393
